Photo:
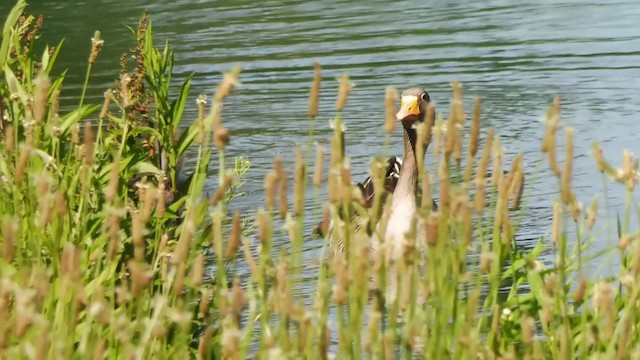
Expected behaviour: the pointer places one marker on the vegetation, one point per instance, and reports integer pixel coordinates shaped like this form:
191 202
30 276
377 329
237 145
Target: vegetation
107 253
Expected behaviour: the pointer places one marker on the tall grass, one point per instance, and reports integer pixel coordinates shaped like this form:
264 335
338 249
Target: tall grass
105 251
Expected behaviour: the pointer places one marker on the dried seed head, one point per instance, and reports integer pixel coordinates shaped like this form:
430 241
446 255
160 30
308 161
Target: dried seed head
318 175
9 234
592 212
497 154
576 208
284 190
221 137
140 276
555 224
21 165
445 192
9 138
197 272
229 82
178 284
314 94
517 188
390 99
299 182
339 268
96 46
205 300
114 178
203 345
264 224
108 97
137 235
603 296
343 91
486 260
201 102
251 263
427 197
457 106
550 284
481 174
234 239
183 247
239 300
624 241
229 180
432 233
323 229
70 262
578 296
88 143
597 154
565 186
41 92
270 182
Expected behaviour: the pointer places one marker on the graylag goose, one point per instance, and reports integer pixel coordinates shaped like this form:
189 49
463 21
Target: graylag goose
401 178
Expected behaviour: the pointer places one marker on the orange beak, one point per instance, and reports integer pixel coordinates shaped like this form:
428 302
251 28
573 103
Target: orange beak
409 107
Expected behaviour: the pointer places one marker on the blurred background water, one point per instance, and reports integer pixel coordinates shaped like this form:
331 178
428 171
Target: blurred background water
514 55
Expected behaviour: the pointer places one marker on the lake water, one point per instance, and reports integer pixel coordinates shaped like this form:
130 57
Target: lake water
514 55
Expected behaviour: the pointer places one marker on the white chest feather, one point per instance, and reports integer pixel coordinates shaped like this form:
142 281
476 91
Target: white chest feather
397 228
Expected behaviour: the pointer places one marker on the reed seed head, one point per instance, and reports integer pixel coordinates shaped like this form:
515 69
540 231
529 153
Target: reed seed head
235 237
318 175
228 84
221 137
299 183
96 46
314 94
264 224
390 98
9 233
556 223
592 213
565 186
344 88
270 182
88 144
41 92
197 272
108 97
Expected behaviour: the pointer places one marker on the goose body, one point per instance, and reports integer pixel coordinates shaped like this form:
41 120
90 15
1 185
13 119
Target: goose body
401 180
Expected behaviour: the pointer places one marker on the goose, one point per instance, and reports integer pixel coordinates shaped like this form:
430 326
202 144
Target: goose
401 180
413 109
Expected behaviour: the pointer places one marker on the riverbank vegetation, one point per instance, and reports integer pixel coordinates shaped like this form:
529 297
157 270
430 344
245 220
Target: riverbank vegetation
110 248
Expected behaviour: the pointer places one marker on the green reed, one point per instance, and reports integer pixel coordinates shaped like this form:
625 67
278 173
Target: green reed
106 253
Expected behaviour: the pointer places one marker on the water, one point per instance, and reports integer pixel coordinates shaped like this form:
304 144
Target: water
514 55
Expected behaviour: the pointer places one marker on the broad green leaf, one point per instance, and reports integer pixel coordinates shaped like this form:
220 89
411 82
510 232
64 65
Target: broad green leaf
14 85
75 116
145 167
54 56
177 107
145 130
57 83
536 285
187 138
11 20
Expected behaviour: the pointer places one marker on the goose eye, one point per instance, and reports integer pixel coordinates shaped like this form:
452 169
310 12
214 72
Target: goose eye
425 97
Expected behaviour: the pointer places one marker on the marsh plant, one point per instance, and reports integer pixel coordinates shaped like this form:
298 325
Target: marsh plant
108 253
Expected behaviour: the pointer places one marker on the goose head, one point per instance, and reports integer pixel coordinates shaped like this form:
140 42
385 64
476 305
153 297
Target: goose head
413 107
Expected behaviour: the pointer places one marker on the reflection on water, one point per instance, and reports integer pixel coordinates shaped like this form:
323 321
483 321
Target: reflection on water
515 57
